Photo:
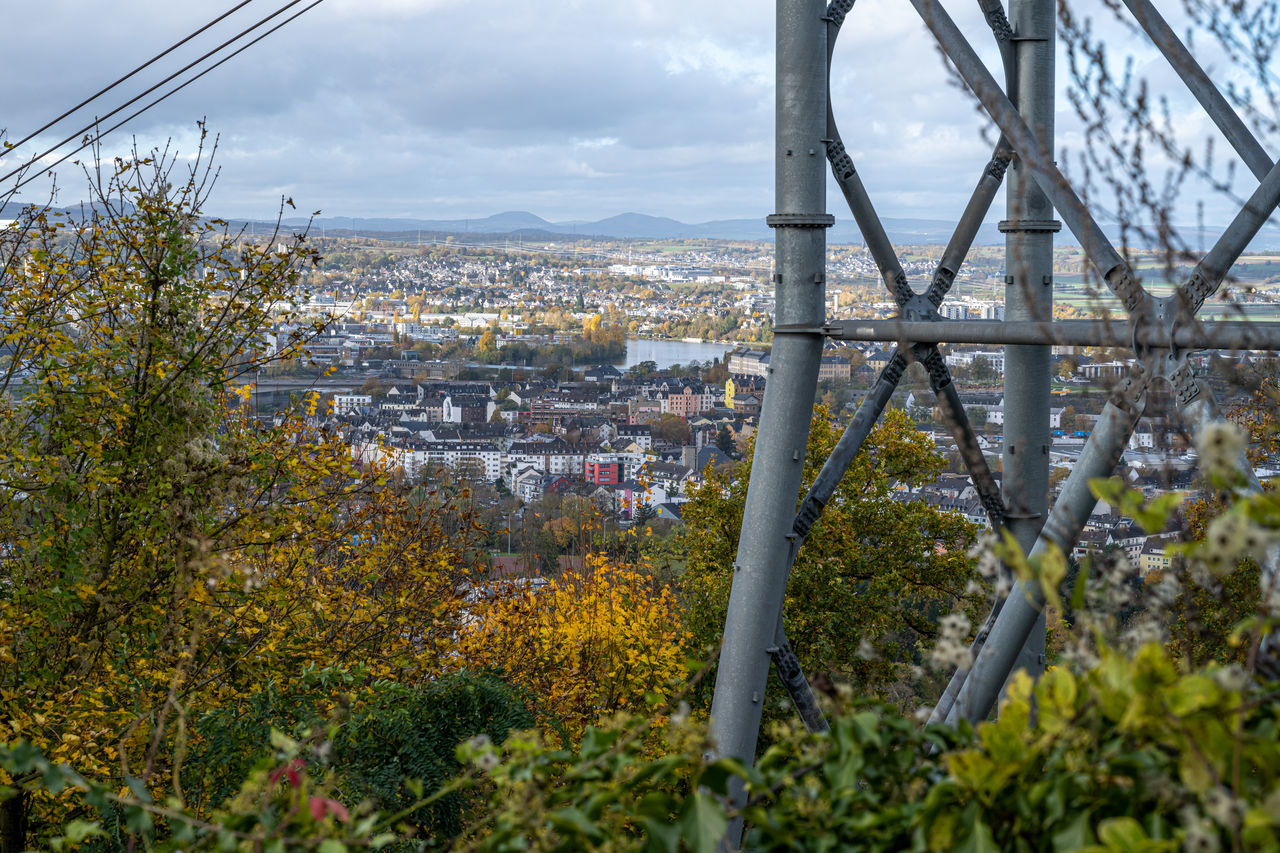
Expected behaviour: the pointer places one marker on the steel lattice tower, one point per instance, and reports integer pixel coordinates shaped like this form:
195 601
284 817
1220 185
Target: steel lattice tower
1161 332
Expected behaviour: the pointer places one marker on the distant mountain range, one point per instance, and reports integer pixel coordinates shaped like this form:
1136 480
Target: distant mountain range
640 226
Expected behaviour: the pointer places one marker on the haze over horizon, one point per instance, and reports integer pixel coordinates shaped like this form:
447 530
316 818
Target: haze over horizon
441 109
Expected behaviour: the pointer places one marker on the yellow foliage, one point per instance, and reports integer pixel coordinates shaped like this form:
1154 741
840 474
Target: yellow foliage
165 552
586 645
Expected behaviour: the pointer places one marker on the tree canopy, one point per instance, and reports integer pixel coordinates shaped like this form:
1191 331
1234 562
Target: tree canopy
875 573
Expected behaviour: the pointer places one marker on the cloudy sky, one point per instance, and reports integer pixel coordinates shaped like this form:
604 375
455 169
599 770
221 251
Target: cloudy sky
458 108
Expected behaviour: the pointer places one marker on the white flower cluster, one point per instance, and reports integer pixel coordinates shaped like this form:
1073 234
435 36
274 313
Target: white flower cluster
1115 589
481 751
1232 537
1080 655
253 578
203 451
1200 836
989 566
1232 677
1143 630
1220 445
1223 808
1161 594
953 643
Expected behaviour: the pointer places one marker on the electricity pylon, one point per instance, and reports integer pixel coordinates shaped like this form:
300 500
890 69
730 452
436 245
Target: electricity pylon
1161 331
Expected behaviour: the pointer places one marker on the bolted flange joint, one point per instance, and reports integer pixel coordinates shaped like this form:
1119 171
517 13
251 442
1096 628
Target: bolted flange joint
800 220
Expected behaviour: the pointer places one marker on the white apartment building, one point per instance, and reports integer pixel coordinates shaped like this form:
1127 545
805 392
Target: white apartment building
346 404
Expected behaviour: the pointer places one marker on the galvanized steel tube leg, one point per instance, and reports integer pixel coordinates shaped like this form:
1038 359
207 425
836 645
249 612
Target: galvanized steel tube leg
1028 295
759 580
947 700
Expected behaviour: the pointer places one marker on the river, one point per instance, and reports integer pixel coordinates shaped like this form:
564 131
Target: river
668 353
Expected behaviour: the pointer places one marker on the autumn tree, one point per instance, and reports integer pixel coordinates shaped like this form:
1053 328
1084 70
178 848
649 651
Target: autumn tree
981 370
724 441
1069 419
487 347
584 646
165 553
672 429
875 572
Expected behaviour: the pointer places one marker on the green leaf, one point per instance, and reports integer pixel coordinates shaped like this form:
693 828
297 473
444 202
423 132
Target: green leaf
96 796
1194 773
702 822
1079 590
1074 835
138 819
183 832
1153 516
980 840
54 778
597 741
283 742
1193 693
1121 833
331 845
1107 489
78 830
573 823
716 775
139 789
660 836
657 768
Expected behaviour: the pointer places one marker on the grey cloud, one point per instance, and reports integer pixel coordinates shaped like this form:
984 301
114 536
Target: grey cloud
567 108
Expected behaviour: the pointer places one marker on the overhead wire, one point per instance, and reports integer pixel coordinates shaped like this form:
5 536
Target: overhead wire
98 135
9 147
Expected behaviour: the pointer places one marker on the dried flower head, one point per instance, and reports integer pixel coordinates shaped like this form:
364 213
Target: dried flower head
1232 677
954 626
1220 445
951 653
1223 808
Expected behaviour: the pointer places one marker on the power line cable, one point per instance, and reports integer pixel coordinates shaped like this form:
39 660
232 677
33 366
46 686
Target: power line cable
166 95
141 95
11 147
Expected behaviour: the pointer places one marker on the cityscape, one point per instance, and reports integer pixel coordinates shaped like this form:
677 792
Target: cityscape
645 428
487 365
